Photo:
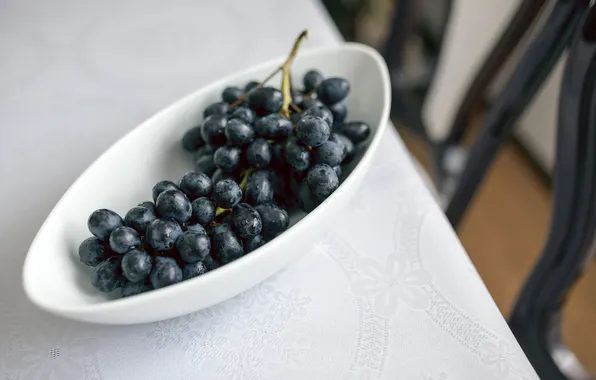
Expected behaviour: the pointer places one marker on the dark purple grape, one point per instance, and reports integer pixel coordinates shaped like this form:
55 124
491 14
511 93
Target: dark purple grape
322 180
216 109
246 221
203 210
333 90
356 131
312 79
275 220
196 184
296 154
265 100
192 139
213 130
258 153
238 132
227 158
102 222
313 131
231 94
329 153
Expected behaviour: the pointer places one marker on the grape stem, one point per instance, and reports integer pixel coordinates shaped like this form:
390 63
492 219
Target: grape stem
286 82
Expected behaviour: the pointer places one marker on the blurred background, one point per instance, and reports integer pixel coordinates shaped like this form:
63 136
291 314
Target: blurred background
506 224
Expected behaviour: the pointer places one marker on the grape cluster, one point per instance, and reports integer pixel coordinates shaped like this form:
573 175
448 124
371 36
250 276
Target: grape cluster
292 159
260 154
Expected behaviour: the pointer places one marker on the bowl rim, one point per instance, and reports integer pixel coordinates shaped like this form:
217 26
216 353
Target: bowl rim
70 311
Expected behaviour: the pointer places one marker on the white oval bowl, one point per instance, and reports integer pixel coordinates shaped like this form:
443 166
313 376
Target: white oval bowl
123 176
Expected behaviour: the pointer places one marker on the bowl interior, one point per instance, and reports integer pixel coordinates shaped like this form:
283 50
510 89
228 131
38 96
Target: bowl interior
124 175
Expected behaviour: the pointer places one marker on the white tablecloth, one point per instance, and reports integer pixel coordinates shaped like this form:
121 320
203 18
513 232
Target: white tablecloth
389 294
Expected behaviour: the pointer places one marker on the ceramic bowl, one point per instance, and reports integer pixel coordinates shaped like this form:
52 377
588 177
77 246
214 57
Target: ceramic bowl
123 176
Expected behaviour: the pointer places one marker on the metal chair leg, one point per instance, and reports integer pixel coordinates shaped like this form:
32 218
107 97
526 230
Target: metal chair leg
536 317
532 70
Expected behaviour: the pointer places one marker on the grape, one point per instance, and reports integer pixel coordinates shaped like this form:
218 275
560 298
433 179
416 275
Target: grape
220 174
265 100
102 222
92 251
165 272
254 243
138 218
107 276
203 210
227 193
238 132
245 114
356 131
148 204
195 185
318 111
205 164
214 130
296 154
174 204
226 245
329 153
195 227
123 239
306 199
246 221
193 246
337 170
258 153
204 160
227 158
162 234
347 145
210 263
275 220
134 288
136 265
259 188
250 85
312 102
339 112
194 270
278 161
333 90
312 131
192 139
322 180
231 94
273 126
297 98
216 109
312 79
162 186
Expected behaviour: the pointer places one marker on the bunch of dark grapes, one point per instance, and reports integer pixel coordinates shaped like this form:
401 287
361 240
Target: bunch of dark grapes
260 154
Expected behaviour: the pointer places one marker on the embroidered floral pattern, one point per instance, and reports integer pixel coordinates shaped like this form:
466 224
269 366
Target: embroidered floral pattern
391 284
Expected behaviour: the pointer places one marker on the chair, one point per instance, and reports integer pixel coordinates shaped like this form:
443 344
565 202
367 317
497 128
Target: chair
536 316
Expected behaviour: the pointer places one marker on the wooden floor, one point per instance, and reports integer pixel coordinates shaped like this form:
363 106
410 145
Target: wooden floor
503 233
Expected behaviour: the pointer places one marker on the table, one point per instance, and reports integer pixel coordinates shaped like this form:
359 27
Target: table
389 293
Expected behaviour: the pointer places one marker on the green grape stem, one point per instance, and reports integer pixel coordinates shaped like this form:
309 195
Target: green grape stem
286 81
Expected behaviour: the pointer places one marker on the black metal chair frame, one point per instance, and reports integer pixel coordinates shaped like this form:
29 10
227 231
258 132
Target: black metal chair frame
536 317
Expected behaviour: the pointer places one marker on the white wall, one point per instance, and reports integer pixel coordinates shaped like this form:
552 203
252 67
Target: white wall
473 29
